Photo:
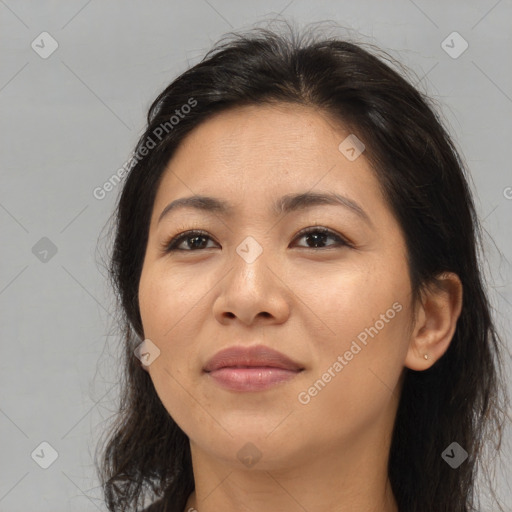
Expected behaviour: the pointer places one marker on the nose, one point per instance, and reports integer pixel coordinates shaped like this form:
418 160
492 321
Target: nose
252 292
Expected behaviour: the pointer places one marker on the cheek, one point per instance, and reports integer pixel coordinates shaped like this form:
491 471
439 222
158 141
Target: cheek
365 319
167 301
345 305
167 319
174 305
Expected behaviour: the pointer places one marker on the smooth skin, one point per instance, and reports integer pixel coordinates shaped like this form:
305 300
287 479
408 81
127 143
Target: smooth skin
306 296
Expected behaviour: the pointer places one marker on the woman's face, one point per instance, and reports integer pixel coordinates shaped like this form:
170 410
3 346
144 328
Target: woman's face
340 310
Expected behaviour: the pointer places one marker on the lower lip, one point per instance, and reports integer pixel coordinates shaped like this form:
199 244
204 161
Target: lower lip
251 379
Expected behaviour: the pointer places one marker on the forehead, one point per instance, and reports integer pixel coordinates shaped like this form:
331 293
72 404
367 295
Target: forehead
258 149
283 133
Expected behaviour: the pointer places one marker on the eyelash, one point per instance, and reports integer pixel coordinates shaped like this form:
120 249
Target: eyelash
172 244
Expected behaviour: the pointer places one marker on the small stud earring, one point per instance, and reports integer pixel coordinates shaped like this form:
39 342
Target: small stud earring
425 356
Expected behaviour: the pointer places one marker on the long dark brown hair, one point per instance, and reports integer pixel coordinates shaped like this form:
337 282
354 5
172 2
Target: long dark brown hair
461 398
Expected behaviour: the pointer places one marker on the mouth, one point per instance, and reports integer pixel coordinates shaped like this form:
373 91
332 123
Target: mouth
251 368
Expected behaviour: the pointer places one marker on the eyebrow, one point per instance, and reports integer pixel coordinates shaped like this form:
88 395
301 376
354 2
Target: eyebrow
286 204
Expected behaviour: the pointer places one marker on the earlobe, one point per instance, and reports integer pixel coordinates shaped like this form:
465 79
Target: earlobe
435 323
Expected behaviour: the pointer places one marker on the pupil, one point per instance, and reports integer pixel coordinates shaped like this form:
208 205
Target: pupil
317 236
195 239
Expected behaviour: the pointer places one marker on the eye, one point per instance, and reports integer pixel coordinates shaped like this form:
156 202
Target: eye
318 235
195 240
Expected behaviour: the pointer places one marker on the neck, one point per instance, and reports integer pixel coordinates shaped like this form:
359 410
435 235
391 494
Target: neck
348 478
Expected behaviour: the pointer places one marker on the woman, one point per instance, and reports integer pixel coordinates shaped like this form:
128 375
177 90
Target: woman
306 326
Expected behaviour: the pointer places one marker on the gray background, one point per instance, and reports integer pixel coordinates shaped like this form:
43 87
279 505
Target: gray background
70 120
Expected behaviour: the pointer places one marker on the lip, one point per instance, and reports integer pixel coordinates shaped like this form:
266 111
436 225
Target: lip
251 368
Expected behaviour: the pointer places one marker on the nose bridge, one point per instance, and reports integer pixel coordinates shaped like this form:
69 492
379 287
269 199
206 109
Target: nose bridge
252 287
249 263
253 233
250 250
255 241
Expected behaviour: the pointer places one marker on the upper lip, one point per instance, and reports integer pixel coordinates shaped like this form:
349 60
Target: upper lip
255 356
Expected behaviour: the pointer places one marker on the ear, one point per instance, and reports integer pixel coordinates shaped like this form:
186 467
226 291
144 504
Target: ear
435 322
